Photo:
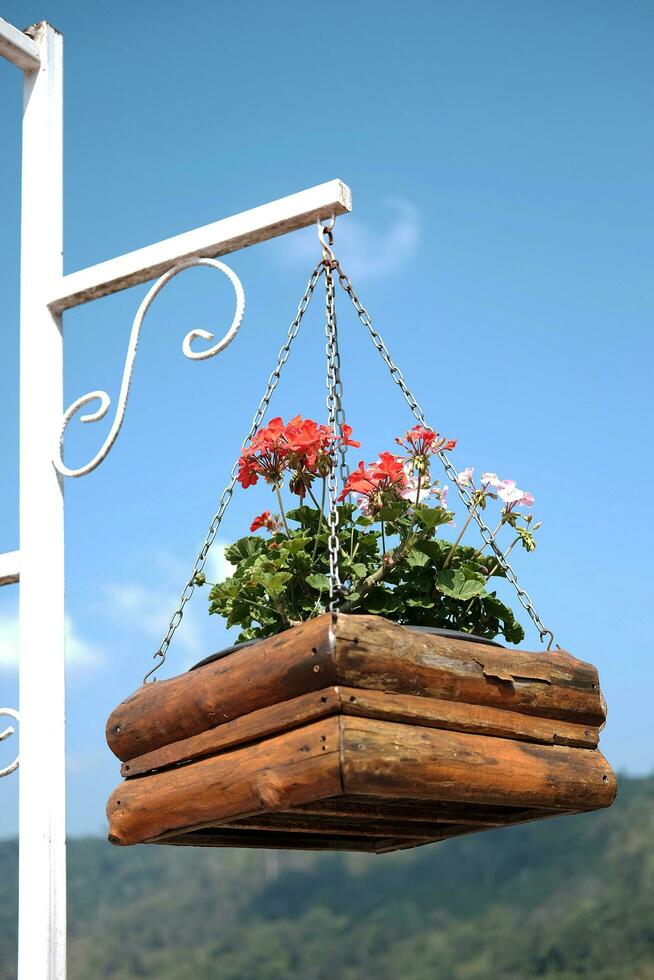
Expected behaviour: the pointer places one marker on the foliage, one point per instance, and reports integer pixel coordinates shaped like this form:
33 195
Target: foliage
283 579
393 561
564 899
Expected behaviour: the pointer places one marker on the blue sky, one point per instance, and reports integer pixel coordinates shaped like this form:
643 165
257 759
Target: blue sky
500 157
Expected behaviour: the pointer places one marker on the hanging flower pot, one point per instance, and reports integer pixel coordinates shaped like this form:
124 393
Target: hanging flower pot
367 705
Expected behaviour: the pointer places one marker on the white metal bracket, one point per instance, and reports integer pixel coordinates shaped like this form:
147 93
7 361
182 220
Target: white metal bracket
45 294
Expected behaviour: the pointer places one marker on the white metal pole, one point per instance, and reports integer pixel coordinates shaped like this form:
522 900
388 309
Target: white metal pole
42 830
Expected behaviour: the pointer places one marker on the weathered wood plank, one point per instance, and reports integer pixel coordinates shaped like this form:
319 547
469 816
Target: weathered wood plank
269 721
277 669
406 708
364 652
273 775
381 758
374 653
348 827
287 842
465 717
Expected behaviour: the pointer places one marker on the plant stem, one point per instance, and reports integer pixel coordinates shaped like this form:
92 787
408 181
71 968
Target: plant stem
321 508
478 553
386 566
281 509
461 533
507 552
383 538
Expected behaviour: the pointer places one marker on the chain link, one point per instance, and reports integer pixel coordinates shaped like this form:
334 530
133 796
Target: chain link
228 492
333 405
464 493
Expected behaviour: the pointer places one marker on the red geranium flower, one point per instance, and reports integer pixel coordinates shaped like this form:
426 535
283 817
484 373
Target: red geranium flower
265 520
345 438
360 480
389 469
421 443
301 446
383 480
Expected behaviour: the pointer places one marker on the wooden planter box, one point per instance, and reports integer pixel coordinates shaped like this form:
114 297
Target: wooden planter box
353 733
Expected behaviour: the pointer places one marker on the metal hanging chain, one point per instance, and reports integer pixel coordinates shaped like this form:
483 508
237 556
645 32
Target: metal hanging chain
333 403
464 492
228 492
326 237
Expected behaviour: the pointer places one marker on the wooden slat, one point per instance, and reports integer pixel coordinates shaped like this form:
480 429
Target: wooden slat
406 708
363 652
349 827
373 653
273 775
465 717
269 721
287 842
277 669
407 810
381 758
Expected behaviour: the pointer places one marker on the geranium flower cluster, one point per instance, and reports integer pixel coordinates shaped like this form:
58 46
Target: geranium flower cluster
303 448
393 477
493 486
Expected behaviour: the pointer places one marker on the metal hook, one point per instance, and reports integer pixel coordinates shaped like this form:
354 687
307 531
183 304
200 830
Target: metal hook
326 236
551 636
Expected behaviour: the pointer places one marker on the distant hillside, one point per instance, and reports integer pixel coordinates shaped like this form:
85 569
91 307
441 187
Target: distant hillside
563 899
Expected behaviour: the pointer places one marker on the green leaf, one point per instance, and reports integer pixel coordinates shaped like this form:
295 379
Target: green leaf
392 510
308 517
432 517
382 602
455 583
318 581
295 544
244 548
416 558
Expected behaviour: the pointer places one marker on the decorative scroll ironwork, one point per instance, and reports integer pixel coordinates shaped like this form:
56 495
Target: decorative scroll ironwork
10 713
194 355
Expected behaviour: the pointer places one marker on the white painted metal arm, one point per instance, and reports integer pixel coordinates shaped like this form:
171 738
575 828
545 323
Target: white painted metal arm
194 355
219 238
18 48
9 567
10 713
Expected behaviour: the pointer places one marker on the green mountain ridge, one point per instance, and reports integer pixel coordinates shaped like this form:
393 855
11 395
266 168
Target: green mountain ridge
567 898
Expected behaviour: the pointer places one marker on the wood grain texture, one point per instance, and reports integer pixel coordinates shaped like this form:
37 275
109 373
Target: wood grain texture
277 669
381 758
374 653
272 720
273 775
461 717
406 708
365 652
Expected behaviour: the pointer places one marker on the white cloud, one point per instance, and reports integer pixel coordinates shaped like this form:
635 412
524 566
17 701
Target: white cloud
79 651
146 609
364 252
218 568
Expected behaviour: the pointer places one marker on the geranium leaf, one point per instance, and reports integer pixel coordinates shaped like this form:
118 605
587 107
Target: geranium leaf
244 548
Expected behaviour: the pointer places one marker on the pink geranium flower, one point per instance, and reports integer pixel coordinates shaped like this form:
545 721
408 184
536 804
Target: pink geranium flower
492 480
464 479
514 496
